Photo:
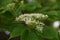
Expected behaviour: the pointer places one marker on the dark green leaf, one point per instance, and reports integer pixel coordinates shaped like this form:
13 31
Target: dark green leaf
18 31
50 32
30 7
30 35
5 2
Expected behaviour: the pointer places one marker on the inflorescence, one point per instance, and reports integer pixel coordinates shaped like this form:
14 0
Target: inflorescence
34 21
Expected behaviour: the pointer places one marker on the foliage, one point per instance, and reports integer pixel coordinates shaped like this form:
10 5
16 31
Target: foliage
10 9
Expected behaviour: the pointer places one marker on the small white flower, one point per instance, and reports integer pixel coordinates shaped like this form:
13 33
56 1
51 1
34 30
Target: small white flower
40 23
39 28
7 32
43 16
28 21
56 24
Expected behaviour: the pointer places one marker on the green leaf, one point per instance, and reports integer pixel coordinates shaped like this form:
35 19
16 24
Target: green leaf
44 9
30 35
30 7
50 33
53 15
5 2
17 31
58 11
59 36
6 18
17 10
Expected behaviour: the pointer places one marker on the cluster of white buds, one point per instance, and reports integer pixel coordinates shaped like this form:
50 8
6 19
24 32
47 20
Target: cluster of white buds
33 20
40 27
10 5
31 16
22 2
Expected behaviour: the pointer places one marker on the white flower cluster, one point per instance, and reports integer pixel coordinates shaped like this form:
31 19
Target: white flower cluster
34 20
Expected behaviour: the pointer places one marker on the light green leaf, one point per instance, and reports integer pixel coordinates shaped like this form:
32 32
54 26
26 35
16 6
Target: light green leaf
53 15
